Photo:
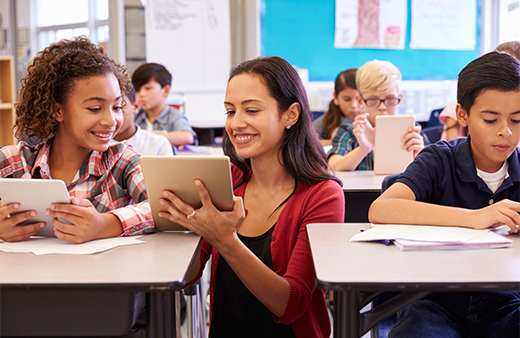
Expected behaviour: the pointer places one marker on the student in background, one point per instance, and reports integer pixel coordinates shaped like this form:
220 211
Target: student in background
448 117
342 109
72 92
262 276
145 142
378 83
152 83
471 182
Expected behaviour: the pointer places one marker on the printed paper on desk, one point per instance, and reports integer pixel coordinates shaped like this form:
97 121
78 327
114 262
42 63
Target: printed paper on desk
488 240
417 233
45 246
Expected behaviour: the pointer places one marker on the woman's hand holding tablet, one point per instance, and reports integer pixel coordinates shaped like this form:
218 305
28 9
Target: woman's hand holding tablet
203 220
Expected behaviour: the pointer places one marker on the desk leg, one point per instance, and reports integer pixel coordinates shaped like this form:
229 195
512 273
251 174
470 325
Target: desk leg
159 316
346 314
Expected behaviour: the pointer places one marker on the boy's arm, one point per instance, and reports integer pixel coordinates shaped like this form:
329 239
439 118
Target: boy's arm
349 161
343 157
179 138
397 205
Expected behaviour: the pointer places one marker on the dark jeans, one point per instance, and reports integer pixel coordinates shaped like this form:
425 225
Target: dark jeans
490 315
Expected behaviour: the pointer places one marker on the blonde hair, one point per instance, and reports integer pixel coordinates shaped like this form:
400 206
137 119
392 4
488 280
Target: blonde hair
512 48
376 75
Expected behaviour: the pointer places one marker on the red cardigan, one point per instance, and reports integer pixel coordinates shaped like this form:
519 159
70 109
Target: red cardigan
318 203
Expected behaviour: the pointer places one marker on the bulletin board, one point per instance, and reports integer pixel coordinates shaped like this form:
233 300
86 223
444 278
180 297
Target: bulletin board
302 32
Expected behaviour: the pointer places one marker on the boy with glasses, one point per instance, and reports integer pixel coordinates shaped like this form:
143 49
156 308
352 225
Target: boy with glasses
378 83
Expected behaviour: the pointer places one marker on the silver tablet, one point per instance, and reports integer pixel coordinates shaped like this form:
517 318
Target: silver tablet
389 157
177 173
34 194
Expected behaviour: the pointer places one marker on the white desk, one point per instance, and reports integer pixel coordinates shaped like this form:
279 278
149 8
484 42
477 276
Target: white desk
157 268
361 188
360 181
349 268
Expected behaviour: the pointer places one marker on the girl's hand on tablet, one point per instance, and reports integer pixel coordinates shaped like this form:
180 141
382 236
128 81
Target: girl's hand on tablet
85 222
9 229
219 228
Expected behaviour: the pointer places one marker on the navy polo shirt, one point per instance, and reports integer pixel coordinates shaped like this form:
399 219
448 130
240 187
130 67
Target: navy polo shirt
444 173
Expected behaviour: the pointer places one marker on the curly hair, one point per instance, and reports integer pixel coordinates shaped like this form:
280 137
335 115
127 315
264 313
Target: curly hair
50 79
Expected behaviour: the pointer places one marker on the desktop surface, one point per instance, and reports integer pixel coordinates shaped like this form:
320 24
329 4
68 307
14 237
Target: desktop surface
161 261
341 264
359 272
63 295
360 181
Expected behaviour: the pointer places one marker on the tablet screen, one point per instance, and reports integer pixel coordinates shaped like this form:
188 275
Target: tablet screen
34 194
177 173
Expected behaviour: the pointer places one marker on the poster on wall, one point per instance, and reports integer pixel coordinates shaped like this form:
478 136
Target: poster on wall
191 38
443 24
370 24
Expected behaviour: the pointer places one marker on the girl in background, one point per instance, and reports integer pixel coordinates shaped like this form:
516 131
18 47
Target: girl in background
342 109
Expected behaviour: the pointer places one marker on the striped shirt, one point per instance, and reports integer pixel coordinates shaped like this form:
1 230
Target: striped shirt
111 180
344 142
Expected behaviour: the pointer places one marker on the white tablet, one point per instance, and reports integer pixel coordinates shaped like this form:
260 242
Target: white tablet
177 173
389 157
34 194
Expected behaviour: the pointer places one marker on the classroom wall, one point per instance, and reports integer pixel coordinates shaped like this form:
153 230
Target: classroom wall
5 27
306 40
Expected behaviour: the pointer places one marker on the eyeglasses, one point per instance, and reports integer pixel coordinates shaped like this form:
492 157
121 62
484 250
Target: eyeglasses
389 102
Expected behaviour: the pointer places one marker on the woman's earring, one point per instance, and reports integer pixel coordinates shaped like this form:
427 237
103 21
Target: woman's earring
289 127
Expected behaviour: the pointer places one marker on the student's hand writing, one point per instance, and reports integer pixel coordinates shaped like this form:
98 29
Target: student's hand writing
495 215
364 132
216 227
413 141
9 229
86 223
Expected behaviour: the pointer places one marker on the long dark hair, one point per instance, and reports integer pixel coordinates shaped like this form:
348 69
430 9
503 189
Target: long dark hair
332 118
301 152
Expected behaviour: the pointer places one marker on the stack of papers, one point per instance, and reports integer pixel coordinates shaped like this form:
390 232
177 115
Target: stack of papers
424 237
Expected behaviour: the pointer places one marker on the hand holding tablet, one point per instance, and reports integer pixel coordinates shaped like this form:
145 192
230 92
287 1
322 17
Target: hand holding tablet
177 174
36 195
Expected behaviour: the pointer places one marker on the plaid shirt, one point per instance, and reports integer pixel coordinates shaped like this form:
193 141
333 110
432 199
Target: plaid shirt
344 142
111 180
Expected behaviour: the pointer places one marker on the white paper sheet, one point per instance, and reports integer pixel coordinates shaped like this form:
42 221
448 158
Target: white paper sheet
418 233
370 24
46 245
444 24
487 240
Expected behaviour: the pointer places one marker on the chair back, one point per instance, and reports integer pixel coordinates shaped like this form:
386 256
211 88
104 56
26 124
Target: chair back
388 181
434 133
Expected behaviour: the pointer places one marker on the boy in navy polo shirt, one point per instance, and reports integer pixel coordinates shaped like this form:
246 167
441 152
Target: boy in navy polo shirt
471 182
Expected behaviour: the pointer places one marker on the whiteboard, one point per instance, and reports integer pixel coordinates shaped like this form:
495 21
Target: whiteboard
191 38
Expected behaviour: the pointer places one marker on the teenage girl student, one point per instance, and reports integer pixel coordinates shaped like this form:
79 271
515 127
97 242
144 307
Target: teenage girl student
73 92
342 109
262 275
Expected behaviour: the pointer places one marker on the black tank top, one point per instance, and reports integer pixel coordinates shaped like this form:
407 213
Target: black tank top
236 311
